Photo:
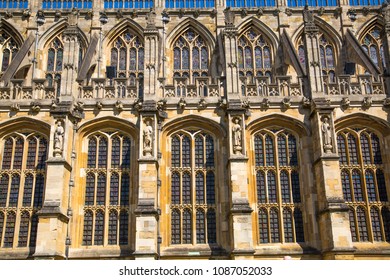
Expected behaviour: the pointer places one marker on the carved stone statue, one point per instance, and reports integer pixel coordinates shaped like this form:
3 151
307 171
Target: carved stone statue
308 16
148 138
58 139
237 136
326 134
229 16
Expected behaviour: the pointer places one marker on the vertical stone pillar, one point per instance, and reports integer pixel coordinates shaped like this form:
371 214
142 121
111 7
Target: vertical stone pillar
53 220
71 60
151 57
240 212
386 48
312 52
231 61
333 217
146 211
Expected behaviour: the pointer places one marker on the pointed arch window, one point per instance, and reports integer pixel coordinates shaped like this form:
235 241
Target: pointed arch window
193 207
277 186
254 55
372 44
55 56
363 184
190 56
22 188
107 189
8 50
127 56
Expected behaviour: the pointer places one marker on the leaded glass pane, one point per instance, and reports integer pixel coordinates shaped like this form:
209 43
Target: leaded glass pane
380 179
39 191
186 188
141 59
285 187
345 182
296 192
6 60
267 57
329 57
370 186
301 55
114 189
187 227
271 182
287 224
282 150
248 57
87 232
90 189
176 58
200 227
374 55
112 228
175 227
59 60
376 150
263 226
99 228
209 151
50 60
376 224
204 58
34 229
91 153
18 154
186 150
175 188
1 225
210 187
9 231
199 185
292 150
14 191
199 161
185 57
352 148
126 146
342 149
357 186
124 228
102 162
175 149
125 189
365 149
362 224
32 150
195 58
322 55
7 155
269 151
274 225
27 190
115 152
101 190
261 188
259 154
122 59
386 222
23 229
4 181
42 153
352 225
240 55
114 57
298 222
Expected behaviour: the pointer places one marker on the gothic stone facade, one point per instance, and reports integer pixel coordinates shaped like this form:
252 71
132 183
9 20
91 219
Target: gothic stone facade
210 133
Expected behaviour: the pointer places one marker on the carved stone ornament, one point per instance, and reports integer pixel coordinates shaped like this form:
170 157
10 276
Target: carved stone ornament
265 103
182 103
326 134
58 139
147 134
119 106
229 16
367 102
345 102
237 135
308 16
151 18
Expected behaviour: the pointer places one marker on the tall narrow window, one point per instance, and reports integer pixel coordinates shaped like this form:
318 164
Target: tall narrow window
278 188
190 56
54 64
254 55
327 55
363 184
193 215
9 48
372 44
107 189
22 187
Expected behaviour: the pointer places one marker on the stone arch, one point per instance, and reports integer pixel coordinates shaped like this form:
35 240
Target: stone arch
12 31
363 120
292 124
24 124
375 20
197 26
119 28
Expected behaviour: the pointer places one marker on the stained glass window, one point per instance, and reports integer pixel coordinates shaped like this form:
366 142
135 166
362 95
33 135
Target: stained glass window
363 184
107 189
192 202
254 54
54 64
190 55
278 175
372 44
23 229
9 231
8 46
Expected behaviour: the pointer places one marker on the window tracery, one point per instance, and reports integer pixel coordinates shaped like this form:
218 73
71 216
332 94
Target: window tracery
372 44
55 55
22 175
254 55
193 201
190 56
363 184
107 189
277 187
